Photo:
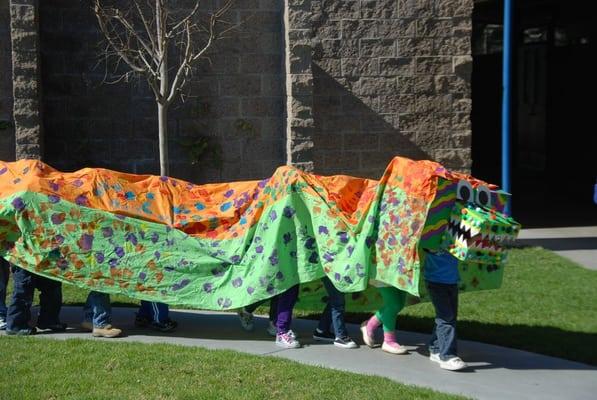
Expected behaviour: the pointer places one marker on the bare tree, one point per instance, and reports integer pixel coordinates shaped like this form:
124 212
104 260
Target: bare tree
154 41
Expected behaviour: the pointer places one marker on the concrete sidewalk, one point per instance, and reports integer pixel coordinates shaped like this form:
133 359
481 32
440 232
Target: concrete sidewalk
578 244
495 373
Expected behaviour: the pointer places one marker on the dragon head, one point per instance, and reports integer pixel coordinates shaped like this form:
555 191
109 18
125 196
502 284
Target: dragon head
466 218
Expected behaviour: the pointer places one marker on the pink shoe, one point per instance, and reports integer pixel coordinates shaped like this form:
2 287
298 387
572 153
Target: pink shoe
393 348
368 334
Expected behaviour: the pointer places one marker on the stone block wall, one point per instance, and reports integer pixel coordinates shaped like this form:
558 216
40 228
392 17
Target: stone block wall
7 135
391 77
333 86
237 101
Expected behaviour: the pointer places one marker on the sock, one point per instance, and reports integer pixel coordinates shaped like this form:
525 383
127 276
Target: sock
389 337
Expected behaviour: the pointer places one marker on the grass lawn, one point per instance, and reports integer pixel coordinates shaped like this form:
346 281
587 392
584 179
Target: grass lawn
83 369
547 304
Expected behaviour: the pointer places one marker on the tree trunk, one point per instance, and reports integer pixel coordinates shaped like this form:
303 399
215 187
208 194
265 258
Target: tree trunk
163 138
162 41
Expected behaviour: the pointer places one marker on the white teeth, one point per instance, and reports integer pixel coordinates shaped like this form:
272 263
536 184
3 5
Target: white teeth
474 231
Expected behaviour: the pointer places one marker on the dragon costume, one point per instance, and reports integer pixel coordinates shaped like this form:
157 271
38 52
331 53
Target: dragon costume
227 245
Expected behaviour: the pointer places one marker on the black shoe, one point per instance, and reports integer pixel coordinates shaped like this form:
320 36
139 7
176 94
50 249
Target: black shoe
57 327
21 332
321 336
141 321
345 343
167 326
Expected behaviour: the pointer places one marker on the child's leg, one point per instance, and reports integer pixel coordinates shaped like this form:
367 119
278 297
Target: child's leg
273 308
145 310
4 267
50 302
252 307
286 303
393 302
445 301
19 309
336 306
160 312
101 308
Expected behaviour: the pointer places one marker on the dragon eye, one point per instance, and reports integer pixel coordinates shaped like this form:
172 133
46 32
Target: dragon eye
464 191
483 196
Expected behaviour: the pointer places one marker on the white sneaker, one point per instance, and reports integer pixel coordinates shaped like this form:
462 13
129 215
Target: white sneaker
246 320
453 364
2 324
287 341
345 343
271 329
393 348
434 357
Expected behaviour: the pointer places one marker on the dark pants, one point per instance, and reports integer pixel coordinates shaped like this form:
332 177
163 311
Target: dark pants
155 312
4 272
445 301
333 314
286 303
273 307
19 310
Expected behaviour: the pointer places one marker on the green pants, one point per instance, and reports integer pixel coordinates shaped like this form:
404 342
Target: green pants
393 302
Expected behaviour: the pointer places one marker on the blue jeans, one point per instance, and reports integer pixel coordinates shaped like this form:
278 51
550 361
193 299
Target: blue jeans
445 301
19 310
155 312
4 272
97 309
333 314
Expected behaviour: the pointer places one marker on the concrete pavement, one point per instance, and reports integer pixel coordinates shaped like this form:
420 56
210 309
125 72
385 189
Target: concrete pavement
578 244
495 373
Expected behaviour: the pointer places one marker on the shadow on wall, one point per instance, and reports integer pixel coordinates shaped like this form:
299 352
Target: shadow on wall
351 137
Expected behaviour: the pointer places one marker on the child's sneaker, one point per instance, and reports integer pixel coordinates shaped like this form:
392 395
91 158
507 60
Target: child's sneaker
2 324
271 329
142 321
21 332
167 326
345 343
107 331
57 327
434 357
287 341
322 336
246 320
393 348
453 364
368 339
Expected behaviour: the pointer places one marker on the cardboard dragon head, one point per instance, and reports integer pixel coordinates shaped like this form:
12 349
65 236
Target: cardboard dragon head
467 219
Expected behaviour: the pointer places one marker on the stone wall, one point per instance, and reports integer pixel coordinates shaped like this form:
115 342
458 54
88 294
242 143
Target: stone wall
334 86
237 101
7 135
391 77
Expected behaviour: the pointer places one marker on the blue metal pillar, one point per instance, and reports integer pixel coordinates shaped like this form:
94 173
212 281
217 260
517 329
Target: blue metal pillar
506 81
